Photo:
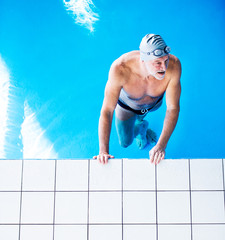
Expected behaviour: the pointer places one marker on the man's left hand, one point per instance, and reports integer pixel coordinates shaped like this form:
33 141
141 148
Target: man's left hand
157 154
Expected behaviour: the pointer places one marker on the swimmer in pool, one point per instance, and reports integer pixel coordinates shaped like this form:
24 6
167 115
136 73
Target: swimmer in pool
136 86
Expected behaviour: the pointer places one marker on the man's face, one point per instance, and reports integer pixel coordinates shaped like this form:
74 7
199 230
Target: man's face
157 67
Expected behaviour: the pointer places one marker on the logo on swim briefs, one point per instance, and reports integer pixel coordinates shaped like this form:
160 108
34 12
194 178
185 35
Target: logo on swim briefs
144 110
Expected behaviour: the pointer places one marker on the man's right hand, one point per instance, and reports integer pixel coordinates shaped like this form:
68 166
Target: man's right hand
103 157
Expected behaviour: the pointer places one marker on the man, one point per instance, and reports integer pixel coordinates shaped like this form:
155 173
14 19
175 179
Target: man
136 85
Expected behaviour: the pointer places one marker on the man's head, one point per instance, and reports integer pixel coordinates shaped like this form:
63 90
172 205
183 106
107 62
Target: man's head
155 54
153 46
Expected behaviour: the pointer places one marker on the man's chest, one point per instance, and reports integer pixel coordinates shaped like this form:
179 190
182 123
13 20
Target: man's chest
146 89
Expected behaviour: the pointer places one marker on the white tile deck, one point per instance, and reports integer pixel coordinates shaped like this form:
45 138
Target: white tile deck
72 175
206 174
173 207
36 232
173 175
71 207
139 207
10 175
138 175
38 175
37 207
9 232
105 207
109 232
9 207
143 232
70 232
105 177
123 200
174 232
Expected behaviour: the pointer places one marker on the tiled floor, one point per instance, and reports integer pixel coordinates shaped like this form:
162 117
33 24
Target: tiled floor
123 200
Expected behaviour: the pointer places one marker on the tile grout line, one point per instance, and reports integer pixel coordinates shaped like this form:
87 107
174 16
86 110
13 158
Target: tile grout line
156 201
21 196
115 224
54 200
223 181
189 168
79 191
88 205
122 195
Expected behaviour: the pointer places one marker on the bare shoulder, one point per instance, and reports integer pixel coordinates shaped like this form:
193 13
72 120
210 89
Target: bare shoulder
118 67
175 64
121 68
173 90
175 68
125 61
116 80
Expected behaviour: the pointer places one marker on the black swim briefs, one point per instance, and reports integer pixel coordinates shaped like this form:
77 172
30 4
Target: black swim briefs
142 111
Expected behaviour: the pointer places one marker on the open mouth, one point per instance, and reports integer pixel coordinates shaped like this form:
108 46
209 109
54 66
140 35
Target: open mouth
161 73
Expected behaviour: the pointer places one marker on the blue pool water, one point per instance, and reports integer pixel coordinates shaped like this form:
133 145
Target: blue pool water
60 68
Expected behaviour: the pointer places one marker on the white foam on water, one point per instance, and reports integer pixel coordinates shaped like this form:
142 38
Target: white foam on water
83 13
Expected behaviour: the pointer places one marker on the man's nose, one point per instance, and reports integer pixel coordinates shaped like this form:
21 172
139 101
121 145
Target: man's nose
164 66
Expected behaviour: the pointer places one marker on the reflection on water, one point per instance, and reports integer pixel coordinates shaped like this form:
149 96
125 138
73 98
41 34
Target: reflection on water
35 144
21 135
11 116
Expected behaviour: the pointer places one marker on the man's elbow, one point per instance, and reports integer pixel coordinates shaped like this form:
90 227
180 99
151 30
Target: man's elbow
173 109
106 113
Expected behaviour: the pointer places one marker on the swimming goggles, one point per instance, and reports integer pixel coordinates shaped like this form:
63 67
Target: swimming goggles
159 52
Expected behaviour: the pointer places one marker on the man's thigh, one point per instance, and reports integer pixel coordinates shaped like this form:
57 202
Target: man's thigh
123 114
125 122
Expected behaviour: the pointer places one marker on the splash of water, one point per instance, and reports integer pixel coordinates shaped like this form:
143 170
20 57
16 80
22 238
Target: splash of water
4 103
36 144
21 135
82 11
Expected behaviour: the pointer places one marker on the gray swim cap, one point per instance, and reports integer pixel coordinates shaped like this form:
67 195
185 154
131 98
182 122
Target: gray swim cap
153 46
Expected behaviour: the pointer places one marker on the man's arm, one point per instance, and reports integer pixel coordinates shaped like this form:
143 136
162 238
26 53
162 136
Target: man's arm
112 91
173 107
